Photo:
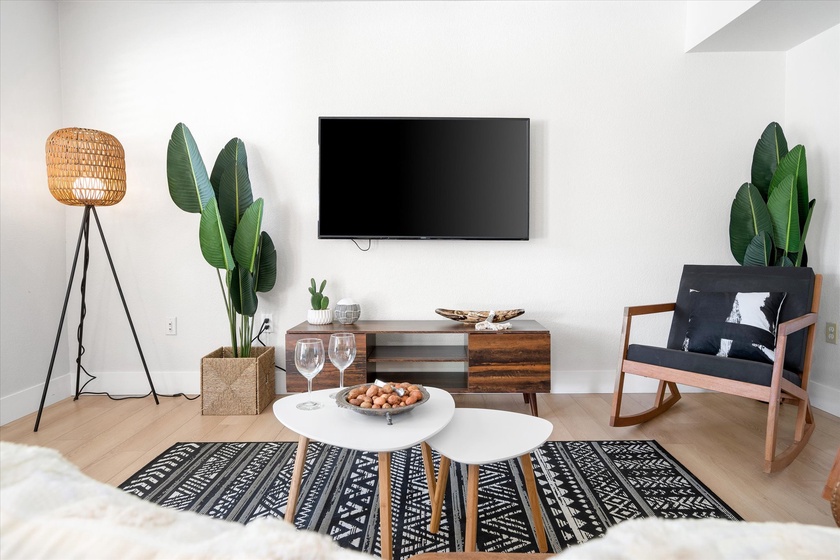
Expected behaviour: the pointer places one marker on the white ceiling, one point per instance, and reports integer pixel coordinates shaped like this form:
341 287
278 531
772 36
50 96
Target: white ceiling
773 25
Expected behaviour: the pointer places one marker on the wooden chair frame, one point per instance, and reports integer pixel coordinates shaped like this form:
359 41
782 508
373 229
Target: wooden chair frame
780 389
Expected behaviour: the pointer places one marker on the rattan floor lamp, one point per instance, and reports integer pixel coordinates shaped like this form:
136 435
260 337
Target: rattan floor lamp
86 168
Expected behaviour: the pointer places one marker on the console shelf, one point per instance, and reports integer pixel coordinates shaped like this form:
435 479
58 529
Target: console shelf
417 354
516 360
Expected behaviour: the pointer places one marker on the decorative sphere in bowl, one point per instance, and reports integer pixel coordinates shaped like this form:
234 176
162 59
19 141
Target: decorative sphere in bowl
347 311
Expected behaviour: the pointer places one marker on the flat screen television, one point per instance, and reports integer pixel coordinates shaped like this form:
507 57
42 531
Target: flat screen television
423 178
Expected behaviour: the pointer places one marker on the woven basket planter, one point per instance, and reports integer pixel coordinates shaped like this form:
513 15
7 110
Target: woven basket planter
231 386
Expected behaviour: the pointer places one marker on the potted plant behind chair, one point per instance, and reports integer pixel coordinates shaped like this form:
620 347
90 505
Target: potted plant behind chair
769 217
238 379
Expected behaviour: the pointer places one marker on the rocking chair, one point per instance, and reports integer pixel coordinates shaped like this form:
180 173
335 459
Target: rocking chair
741 330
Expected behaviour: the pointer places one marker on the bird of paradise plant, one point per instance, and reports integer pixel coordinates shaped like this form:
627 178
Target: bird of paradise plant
230 234
769 217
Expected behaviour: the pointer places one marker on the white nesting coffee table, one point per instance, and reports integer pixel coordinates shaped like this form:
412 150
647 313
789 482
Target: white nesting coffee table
477 436
345 428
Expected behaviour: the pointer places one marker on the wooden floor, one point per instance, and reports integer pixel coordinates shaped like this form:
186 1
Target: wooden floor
720 438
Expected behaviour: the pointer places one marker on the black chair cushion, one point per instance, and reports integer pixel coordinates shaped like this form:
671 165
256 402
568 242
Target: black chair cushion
796 282
748 371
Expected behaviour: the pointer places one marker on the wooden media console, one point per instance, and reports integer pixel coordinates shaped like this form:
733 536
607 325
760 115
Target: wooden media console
444 354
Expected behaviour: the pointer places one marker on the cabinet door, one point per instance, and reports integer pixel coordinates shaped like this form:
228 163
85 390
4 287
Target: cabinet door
356 374
509 363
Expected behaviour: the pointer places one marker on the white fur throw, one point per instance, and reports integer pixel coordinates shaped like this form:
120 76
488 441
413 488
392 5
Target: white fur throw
49 509
709 539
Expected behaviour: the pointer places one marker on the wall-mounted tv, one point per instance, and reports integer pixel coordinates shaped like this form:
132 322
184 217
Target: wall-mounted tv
423 178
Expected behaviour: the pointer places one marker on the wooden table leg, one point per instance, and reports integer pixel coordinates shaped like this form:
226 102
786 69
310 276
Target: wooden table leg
531 398
472 508
385 505
429 467
440 490
297 474
536 510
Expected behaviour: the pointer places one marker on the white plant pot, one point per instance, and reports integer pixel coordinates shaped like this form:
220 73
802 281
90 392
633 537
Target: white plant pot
319 316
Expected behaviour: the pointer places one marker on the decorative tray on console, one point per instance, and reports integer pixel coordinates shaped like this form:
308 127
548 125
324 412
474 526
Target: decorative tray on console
478 316
342 399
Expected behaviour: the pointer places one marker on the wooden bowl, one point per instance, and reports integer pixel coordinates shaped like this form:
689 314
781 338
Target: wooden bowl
478 316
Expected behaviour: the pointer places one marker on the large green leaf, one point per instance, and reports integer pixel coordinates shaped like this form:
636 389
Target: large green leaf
248 236
189 185
794 164
760 251
234 198
266 272
232 184
232 155
782 206
242 292
211 236
769 151
748 218
784 260
801 258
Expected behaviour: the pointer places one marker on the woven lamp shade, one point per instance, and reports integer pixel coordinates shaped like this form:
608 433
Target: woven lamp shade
85 167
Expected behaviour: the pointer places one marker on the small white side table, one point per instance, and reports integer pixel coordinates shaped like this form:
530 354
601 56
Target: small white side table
477 436
352 430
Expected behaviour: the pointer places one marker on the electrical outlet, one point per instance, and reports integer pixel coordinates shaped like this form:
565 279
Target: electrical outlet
269 328
831 333
171 325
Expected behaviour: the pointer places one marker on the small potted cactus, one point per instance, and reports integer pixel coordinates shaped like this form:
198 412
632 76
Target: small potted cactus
320 314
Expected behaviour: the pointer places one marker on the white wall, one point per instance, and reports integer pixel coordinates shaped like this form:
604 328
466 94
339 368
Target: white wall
32 236
637 151
812 118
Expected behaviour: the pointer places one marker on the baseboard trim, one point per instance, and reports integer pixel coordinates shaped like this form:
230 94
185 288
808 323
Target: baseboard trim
119 384
823 397
603 381
18 405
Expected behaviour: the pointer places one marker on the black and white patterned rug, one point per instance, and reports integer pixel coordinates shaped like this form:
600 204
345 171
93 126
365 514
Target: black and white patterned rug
585 487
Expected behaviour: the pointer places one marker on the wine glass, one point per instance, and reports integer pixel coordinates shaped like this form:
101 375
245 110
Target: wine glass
342 353
309 359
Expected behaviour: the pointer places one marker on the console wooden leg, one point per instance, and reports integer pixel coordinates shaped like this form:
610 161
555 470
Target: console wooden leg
532 399
385 505
472 509
533 497
297 474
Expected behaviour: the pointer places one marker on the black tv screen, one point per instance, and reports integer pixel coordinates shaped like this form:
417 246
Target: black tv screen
423 178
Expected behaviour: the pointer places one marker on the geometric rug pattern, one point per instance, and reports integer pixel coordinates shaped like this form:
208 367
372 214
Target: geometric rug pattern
584 487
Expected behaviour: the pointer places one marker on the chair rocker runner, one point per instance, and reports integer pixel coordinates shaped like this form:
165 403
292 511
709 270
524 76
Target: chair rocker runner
726 320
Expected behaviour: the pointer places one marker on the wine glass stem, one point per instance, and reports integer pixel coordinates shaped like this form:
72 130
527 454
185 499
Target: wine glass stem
309 389
341 379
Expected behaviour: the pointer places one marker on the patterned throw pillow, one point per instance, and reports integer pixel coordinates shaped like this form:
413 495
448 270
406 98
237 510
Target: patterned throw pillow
734 324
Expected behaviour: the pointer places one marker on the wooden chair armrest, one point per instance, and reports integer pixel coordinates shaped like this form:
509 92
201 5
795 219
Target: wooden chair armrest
782 332
632 311
648 309
796 324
